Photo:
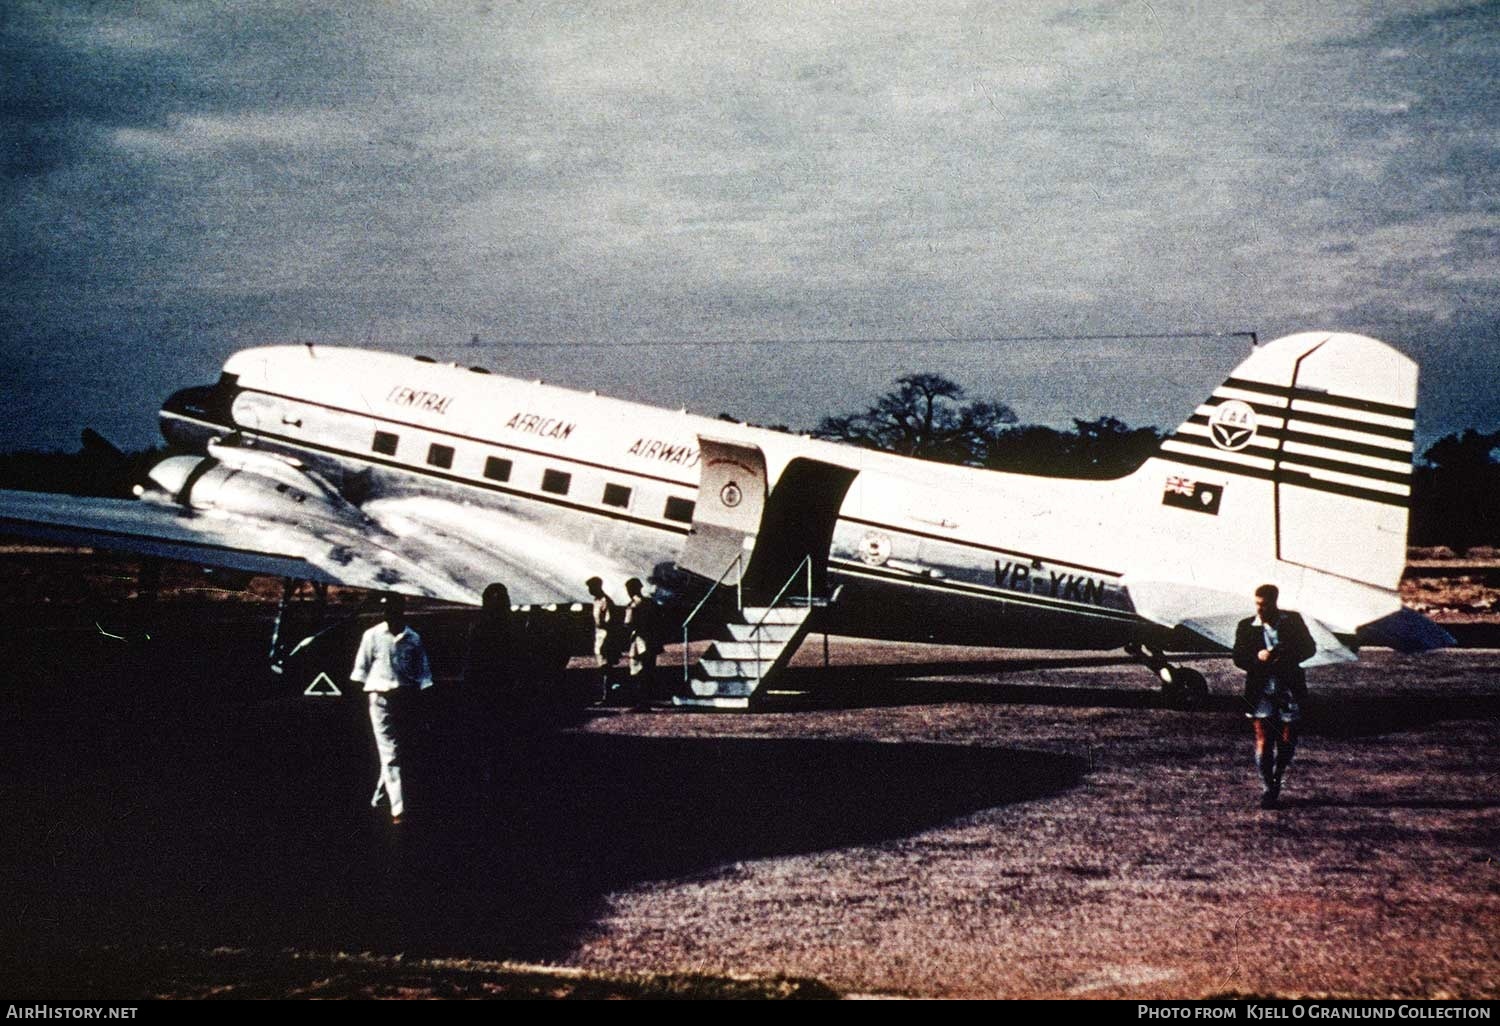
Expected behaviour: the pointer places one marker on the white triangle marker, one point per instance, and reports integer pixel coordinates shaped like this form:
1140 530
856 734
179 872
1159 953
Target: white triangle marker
323 685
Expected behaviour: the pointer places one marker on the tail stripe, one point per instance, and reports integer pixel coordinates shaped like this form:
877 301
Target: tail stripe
1392 450
1390 471
1300 411
1269 405
1320 449
1301 406
1286 476
1327 398
1243 460
1401 434
1322 484
1338 438
1306 461
1320 469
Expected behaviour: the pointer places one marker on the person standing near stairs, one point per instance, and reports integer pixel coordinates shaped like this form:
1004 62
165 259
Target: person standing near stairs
606 633
642 645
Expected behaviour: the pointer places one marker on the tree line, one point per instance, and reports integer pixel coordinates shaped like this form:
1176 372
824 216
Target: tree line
1455 483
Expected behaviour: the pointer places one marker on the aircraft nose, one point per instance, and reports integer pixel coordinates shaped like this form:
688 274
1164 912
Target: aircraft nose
190 416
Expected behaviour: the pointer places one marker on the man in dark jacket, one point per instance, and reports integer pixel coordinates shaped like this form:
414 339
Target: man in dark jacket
1271 647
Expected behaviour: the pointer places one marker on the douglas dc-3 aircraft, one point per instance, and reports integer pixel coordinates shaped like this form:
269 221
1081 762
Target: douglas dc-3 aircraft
399 474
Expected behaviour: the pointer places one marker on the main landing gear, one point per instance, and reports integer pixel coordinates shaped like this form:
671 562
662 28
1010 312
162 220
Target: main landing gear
1182 687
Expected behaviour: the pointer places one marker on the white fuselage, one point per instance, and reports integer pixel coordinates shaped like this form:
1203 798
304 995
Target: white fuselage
923 551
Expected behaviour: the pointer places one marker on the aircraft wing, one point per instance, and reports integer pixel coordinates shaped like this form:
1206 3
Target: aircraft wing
426 548
1214 616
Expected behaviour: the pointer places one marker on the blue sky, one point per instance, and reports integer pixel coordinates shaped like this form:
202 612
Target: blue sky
182 180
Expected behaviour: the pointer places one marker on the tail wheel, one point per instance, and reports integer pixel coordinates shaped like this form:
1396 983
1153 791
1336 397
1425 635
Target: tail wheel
1194 688
1183 687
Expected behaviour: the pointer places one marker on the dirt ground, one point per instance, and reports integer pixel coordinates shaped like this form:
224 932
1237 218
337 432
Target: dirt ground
945 822
920 821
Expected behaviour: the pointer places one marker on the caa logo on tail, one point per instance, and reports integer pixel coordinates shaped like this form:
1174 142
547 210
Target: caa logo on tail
1233 425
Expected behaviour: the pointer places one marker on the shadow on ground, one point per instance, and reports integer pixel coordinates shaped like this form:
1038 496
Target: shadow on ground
1329 712
145 811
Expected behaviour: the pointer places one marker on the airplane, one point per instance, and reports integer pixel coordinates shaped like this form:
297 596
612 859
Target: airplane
398 473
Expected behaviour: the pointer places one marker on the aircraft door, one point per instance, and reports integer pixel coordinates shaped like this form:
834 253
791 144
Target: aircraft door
799 520
727 518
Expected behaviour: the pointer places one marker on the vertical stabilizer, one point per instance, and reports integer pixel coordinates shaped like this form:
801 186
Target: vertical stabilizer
1296 469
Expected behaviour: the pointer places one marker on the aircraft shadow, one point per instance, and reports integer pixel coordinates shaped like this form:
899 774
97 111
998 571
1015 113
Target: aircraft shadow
1452 804
1342 715
149 830
860 687
1394 714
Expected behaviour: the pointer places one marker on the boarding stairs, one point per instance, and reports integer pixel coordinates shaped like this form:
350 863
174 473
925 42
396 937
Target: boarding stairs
752 645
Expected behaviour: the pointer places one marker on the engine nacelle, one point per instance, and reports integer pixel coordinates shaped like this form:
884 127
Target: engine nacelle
258 484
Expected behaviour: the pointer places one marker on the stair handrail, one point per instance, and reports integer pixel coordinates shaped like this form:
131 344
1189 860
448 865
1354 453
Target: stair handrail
756 631
739 603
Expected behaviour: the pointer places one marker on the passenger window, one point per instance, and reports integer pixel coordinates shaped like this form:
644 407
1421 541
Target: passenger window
556 482
616 495
497 469
679 509
385 443
440 455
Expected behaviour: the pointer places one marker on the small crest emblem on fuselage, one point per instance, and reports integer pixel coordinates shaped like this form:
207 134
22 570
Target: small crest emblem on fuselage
1232 425
875 548
730 495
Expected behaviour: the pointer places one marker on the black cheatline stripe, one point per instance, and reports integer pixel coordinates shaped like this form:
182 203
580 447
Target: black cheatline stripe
483 485
467 438
1286 477
1325 419
1402 477
1326 462
979 591
1313 395
978 545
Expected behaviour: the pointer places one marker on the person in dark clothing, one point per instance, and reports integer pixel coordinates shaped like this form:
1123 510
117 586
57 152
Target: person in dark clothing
1271 647
491 685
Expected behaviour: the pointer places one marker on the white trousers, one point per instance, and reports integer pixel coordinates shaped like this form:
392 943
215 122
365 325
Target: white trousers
387 716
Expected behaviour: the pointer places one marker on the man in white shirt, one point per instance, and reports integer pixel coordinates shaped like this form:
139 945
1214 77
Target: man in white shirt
392 665
606 633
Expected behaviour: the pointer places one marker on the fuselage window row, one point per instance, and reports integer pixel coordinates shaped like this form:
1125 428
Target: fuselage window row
554 482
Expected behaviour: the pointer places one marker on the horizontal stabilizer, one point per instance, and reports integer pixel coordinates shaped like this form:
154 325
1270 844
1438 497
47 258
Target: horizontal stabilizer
1405 630
1215 615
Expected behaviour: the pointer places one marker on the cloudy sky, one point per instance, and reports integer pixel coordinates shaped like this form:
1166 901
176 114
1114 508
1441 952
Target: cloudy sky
576 183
